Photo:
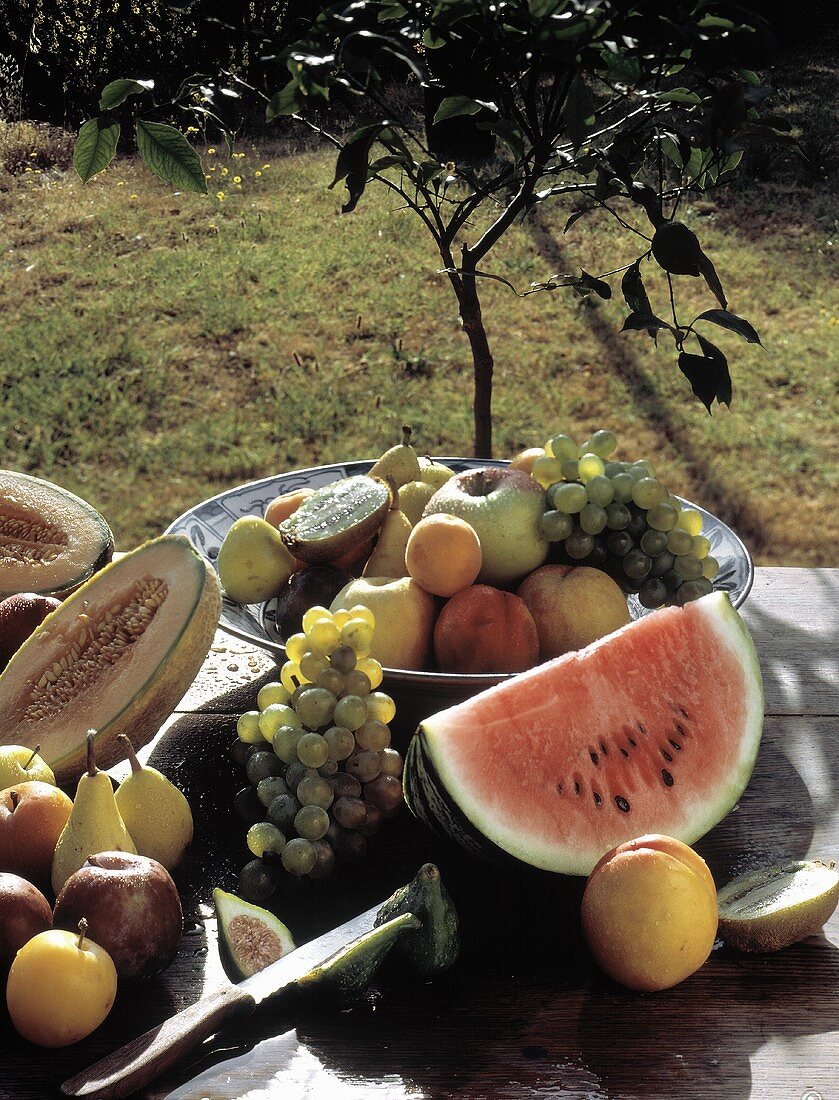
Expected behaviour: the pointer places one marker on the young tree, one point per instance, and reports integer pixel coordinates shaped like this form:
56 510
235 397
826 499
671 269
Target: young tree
611 106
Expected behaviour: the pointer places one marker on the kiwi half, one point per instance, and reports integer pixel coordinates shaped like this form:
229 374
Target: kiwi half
772 908
336 519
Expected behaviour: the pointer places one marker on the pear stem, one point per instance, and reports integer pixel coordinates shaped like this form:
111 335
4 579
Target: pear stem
82 933
407 431
35 752
136 766
91 760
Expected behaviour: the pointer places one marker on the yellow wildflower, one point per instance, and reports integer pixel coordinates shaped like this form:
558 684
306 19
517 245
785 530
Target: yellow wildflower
192 129
257 174
132 196
224 171
265 167
237 179
220 196
120 183
211 152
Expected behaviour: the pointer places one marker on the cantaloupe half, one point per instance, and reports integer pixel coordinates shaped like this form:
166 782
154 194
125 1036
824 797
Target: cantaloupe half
51 541
116 657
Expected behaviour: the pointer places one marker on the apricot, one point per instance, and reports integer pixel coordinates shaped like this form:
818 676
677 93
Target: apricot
649 913
482 629
524 459
443 554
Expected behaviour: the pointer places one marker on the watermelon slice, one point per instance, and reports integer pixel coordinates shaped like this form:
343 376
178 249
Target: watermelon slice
652 729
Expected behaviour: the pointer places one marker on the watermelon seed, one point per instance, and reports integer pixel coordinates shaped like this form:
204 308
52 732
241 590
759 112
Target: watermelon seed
667 777
603 749
675 744
559 788
624 753
667 756
597 798
641 727
576 788
621 804
595 759
634 744
680 729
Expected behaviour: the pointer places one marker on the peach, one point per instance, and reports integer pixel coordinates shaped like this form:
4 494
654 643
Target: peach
572 606
443 554
483 629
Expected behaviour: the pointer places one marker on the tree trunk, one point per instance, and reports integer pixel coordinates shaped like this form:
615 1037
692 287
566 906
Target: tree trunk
482 363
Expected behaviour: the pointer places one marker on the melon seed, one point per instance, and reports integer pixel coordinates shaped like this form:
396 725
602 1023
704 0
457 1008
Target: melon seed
30 539
777 906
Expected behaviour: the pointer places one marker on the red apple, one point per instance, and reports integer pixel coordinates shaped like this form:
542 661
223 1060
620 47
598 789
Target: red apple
32 815
20 615
132 909
24 912
504 506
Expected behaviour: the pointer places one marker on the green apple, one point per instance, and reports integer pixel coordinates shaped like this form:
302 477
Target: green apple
20 764
404 615
504 506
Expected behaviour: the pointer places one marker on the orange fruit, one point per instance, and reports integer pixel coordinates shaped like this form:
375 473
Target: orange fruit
443 554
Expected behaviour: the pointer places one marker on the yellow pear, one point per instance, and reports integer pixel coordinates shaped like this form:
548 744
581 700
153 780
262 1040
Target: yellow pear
399 464
434 473
388 557
413 497
94 825
155 812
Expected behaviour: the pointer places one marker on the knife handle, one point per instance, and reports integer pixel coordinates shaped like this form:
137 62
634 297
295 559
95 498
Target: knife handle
145 1058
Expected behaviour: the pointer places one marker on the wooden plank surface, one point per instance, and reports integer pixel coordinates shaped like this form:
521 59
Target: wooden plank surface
524 1014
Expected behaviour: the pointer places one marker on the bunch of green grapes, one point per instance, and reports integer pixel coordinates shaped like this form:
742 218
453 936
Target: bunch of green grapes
619 517
322 774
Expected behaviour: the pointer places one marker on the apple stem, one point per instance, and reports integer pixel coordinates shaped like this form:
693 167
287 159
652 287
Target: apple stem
91 761
136 766
82 933
35 752
14 798
407 431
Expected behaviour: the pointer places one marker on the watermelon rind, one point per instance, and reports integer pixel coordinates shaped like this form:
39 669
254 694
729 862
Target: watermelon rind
478 805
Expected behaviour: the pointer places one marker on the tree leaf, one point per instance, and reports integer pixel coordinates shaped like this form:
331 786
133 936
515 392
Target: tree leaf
287 101
574 217
639 322
709 274
95 146
119 90
454 106
169 155
509 133
635 296
708 376
683 97
600 287
351 165
732 322
578 111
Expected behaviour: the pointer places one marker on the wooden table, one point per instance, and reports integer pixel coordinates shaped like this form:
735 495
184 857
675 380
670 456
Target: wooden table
524 1013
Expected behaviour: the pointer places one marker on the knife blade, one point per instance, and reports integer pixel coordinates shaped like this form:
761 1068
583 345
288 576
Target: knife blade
145 1058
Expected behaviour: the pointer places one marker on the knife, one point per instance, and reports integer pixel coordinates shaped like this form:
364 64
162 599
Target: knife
145 1058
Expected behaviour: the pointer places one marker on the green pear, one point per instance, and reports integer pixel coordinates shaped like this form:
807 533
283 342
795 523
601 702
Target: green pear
404 615
388 557
253 561
20 764
434 473
155 812
413 497
94 825
399 464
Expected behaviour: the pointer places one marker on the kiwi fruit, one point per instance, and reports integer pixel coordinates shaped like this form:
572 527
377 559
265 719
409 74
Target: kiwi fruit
336 518
777 906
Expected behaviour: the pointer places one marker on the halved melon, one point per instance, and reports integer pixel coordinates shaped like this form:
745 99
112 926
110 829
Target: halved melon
652 729
51 541
116 656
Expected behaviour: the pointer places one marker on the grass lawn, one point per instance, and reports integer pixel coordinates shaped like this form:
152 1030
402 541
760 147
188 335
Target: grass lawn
158 347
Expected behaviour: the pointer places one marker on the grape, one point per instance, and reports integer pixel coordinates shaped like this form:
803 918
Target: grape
710 567
311 822
271 693
592 519
274 716
569 497
343 658
561 447
312 750
662 563
610 469
285 743
647 492
546 470
331 680
380 706
248 728
602 443
341 617
617 517
600 491
340 742
373 735
701 546
369 667
579 545
690 520
314 790
359 611
299 856
328 769
636 564
599 555
688 567
555 526
351 711
350 846
241 750
392 762
296 773
653 592
264 837
589 466
267 789
258 880
570 469
373 821
349 812
324 859
643 467
282 812
690 590
662 516
290 676
364 765
346 786
637 523
296 645
622 486
311 616
325 636
671 579
356 683
312 665
619 543
315 707
262 764
385 791
247 806
653 542
679 541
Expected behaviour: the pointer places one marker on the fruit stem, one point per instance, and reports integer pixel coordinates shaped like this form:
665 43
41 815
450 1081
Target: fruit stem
91 761
136 766
82 933
407 431
14 798
35 752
